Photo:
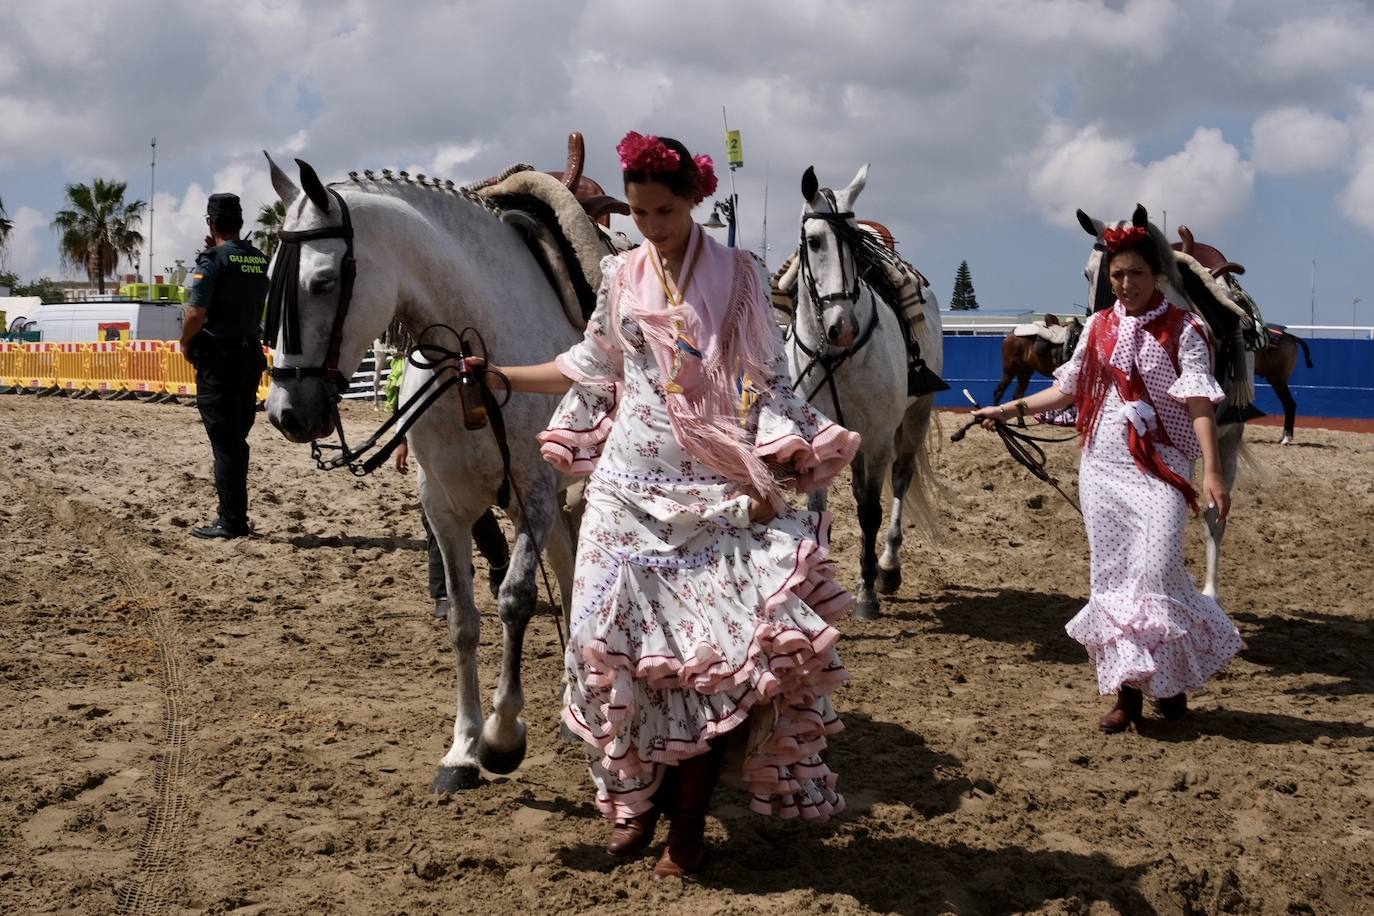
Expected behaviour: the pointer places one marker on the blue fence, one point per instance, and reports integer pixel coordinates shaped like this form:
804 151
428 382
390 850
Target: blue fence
1340 383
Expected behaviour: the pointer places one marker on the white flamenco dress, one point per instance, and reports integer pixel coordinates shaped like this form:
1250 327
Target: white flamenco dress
688 621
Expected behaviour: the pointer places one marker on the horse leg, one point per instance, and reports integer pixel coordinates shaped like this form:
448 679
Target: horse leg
501 747
1001 388
1022 383
868 495
1228 444
1290 408
890 563
458 768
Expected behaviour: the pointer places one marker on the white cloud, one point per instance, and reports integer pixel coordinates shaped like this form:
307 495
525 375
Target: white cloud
1318 45
1205 183
31 249
1294 140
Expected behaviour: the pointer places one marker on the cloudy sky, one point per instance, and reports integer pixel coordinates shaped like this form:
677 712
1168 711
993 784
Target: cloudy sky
987 122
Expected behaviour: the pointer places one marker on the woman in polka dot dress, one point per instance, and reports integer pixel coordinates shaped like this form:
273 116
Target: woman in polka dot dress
1142 382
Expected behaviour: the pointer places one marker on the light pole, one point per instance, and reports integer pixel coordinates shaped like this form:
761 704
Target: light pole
723 208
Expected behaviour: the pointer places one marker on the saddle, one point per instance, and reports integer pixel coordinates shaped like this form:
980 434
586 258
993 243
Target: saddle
565 219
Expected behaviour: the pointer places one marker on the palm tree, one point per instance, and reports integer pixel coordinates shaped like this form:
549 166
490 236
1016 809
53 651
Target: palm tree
99 228
270 218
5 226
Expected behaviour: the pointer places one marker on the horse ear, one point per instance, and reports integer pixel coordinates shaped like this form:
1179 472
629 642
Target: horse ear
1090 225
810 184
313 187
851 193
1140 219
286 189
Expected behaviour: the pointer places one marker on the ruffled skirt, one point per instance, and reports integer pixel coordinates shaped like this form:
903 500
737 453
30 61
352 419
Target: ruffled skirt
690 622
1146 625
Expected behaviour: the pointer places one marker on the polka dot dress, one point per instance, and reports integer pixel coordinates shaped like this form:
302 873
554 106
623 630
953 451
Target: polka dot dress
1146 625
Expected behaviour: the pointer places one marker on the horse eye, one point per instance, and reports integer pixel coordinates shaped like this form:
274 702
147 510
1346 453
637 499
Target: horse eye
323 283
815 242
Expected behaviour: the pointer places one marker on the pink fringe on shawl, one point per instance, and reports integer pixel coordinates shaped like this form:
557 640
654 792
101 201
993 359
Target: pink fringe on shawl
705 416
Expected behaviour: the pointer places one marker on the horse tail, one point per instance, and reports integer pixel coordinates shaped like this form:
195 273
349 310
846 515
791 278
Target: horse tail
921 503
1306 353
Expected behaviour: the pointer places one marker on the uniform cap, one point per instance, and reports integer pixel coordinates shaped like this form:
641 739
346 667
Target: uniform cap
224 205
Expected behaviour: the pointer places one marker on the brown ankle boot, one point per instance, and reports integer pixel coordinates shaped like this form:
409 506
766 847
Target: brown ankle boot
1174 707
696 781
633 834
1128 708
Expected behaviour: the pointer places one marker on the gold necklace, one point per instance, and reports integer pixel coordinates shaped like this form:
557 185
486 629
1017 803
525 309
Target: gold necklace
675 300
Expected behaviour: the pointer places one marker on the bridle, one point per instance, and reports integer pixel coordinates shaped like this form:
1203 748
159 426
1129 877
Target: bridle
283 306
828 360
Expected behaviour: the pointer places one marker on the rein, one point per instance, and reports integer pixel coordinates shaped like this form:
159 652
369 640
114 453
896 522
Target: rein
1023 447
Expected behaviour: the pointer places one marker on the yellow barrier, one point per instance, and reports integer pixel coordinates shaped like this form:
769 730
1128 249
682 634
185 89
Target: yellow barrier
39 371
71 368
178 375
266 381
109 367
145 367
11 363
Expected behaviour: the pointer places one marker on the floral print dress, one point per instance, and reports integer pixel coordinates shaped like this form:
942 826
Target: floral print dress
688 621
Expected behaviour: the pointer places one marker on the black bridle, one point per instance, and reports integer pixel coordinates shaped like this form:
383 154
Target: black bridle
831 360
283 305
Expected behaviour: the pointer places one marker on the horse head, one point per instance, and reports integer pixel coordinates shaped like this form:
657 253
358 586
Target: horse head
330 297
1100 294
830 271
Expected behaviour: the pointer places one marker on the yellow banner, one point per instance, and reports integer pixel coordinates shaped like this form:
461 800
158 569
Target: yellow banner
734 149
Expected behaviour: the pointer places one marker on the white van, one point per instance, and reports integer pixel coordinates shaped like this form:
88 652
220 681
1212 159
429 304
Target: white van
86 322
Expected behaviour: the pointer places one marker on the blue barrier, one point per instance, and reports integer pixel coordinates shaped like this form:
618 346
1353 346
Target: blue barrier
1340 383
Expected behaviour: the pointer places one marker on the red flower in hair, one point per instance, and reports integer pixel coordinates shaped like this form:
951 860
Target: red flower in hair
646 154
1125 237
706 168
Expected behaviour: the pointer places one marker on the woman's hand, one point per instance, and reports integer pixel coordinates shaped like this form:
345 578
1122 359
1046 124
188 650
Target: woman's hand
991 415
402 453
761 512
1215 493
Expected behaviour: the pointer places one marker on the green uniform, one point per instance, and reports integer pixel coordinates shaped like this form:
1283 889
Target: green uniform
230 283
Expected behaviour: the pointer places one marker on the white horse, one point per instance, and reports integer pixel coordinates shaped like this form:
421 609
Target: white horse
429 253
847 355
1239 393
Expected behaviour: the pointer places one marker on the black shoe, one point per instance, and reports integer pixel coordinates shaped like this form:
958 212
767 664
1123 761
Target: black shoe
441 609
219 528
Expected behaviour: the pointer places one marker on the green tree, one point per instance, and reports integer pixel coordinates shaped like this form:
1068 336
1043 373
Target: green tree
43 287
270 218
99 228
963 298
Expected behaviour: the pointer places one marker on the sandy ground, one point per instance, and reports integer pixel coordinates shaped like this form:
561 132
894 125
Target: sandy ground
252 727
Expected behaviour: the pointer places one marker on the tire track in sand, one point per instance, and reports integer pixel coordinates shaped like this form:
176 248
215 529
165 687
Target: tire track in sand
159 864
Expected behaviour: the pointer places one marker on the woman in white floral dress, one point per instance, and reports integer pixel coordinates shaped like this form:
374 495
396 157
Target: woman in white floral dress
1141 380
702 603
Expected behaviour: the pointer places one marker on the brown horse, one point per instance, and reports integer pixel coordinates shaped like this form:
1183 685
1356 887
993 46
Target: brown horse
1022 357
1276 362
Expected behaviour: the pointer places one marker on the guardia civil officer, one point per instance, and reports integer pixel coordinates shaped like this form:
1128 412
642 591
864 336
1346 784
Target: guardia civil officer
222 336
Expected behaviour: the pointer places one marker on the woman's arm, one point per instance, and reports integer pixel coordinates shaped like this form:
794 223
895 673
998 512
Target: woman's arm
1214 488
1049 399
544 378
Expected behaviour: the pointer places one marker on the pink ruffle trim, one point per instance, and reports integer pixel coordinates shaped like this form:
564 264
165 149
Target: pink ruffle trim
781 662
817 462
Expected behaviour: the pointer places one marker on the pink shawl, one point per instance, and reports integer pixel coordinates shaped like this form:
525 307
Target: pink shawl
727 319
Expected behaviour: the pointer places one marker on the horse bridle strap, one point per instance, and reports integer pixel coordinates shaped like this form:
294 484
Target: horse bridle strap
283 305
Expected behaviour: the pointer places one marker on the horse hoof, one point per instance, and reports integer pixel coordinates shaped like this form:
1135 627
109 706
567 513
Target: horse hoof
889 580
455 779
498 761
866 609
1286 439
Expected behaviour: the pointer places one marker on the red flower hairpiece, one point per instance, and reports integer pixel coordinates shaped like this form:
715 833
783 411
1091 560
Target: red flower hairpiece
1125 237
706 169
646 154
